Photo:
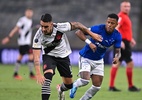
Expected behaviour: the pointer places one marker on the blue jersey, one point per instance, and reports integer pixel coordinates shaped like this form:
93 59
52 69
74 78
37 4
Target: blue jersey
108 40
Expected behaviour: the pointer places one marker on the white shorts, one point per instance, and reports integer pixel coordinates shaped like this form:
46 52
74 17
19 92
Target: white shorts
94 67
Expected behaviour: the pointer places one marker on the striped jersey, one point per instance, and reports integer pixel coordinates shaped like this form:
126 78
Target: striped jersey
25 31
108 40
56 44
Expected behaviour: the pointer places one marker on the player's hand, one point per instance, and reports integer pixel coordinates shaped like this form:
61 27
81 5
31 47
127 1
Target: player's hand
115 60
5 40
97 37
122 45
40 79
93 47
133 43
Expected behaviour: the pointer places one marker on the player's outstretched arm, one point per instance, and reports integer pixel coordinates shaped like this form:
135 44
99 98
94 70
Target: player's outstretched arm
84 29
13 31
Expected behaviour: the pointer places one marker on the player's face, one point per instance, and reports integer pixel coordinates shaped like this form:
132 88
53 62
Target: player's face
125 7
29 13
46 27
111 23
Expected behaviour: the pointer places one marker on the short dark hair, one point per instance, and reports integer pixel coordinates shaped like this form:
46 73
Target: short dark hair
113 15
46 18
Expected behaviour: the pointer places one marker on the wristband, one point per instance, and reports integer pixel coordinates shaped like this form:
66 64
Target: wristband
87 41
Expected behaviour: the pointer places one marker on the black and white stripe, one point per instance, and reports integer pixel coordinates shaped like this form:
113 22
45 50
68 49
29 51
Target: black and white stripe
46 87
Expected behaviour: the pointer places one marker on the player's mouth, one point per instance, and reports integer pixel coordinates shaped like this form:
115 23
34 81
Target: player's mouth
109 30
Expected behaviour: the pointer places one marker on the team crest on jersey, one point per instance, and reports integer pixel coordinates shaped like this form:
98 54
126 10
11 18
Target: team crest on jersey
59 36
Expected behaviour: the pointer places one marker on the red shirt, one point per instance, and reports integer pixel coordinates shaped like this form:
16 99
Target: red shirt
125 26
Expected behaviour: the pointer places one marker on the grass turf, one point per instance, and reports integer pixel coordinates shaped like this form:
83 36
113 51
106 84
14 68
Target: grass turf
28 89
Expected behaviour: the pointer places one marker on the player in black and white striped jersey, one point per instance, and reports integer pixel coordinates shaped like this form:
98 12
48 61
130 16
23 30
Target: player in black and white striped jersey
52 40
24 28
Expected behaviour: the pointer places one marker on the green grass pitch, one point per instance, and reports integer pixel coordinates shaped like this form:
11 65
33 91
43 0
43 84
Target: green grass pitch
28 89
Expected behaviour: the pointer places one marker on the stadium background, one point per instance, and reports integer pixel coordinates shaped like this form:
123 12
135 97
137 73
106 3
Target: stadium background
87 12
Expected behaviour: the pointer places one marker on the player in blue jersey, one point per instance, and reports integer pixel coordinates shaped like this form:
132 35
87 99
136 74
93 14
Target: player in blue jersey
91 64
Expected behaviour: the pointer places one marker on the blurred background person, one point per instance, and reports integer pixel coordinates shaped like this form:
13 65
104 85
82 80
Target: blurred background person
24 28
125 28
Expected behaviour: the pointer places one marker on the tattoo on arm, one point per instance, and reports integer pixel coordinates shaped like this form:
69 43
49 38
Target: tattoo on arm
77 25
117 53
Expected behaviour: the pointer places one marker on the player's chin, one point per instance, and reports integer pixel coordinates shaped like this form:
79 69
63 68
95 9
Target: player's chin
45 33
109 30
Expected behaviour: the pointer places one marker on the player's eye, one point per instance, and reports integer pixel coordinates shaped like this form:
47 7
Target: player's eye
44 26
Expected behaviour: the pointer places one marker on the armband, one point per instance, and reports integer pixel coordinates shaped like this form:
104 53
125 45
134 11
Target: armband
87 41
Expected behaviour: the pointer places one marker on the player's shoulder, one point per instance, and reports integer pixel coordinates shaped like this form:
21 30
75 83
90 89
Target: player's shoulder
102 26
98 26
62 26
23 19
39 32
117 33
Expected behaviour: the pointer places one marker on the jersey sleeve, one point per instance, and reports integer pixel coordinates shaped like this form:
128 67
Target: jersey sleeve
63 27
94 29
20 22
37 40
118 41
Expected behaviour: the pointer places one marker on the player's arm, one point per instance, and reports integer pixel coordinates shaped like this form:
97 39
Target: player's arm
39 76
117 55
81 35
11 34
36 54
77 25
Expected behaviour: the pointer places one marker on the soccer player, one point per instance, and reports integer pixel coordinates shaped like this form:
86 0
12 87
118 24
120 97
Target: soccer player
52 40
125 28
23 27
91 64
